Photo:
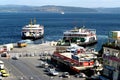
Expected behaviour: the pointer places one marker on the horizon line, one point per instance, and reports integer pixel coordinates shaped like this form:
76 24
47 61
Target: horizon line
53 5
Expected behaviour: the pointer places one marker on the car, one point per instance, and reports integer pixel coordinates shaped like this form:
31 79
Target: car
51 66
15 57
3 71
49 69
53 72
1 78
1 64
43 64
80 75
66 75
5 75
0 73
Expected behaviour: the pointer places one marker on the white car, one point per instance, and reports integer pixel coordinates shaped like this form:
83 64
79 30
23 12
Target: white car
1 78
53 72
1 64
0 74
43 64
81 75
66 75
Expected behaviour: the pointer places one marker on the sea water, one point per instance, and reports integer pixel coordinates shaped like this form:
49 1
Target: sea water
55 24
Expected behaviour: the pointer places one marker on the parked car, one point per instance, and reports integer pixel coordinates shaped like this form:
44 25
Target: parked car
80 75
43 64
1 78
66 75
0 74
48 69
53 72
15 57
3 71
5 75
1 64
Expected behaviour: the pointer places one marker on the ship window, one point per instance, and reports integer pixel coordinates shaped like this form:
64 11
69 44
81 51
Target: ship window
118 67
106 72
115 53
106 51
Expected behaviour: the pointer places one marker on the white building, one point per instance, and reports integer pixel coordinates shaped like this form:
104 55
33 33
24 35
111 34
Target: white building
111 57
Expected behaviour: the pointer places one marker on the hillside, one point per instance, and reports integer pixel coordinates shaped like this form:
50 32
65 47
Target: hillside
50 9
108 10
55 9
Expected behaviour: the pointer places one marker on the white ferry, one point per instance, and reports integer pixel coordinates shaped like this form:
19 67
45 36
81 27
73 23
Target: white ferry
75 58
80 36
32 31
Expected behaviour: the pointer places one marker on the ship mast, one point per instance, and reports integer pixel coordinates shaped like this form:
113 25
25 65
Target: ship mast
31 23
34 21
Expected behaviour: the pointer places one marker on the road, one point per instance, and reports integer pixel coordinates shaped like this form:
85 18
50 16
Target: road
27 68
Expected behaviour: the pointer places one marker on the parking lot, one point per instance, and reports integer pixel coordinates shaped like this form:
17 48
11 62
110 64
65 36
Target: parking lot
28 68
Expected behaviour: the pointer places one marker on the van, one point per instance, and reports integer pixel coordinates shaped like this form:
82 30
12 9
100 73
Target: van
22 44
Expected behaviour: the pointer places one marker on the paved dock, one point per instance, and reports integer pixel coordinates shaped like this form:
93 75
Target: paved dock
33 49
26 67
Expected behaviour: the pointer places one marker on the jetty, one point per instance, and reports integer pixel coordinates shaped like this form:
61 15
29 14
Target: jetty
32 49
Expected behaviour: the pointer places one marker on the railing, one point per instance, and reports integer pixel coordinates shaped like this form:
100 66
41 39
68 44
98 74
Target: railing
113 58
112 45
72 61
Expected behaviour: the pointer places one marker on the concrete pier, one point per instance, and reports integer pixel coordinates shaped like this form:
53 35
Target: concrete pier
32 49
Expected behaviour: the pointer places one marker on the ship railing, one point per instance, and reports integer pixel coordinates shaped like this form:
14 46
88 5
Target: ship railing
68 60
72 62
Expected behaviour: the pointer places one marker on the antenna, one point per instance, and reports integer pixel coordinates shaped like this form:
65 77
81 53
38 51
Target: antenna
31 22
83 24
34 21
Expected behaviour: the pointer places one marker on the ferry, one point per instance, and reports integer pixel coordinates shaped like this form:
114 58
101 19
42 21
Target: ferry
75 58
32 31
81 36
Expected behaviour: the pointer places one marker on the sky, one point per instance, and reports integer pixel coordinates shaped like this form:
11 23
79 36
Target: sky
74 3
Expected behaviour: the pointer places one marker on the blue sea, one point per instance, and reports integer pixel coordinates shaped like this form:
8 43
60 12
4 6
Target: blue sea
55 24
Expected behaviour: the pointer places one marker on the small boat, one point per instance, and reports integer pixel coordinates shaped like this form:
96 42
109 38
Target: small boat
62 12
32 31
80 36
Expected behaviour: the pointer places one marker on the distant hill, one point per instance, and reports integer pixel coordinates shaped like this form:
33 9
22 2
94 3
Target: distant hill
49 8
55 9
108 10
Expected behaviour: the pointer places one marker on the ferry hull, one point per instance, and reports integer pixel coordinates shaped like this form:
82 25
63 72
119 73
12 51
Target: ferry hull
32 37
88 43
70 64
65 67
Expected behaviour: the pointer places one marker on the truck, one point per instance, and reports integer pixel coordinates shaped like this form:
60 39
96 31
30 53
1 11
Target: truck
8 47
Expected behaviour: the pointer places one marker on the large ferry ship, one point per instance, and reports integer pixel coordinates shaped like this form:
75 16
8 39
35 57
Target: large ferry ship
32 31
75 58
81 36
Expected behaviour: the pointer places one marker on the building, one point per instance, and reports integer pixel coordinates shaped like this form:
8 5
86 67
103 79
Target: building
111 57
